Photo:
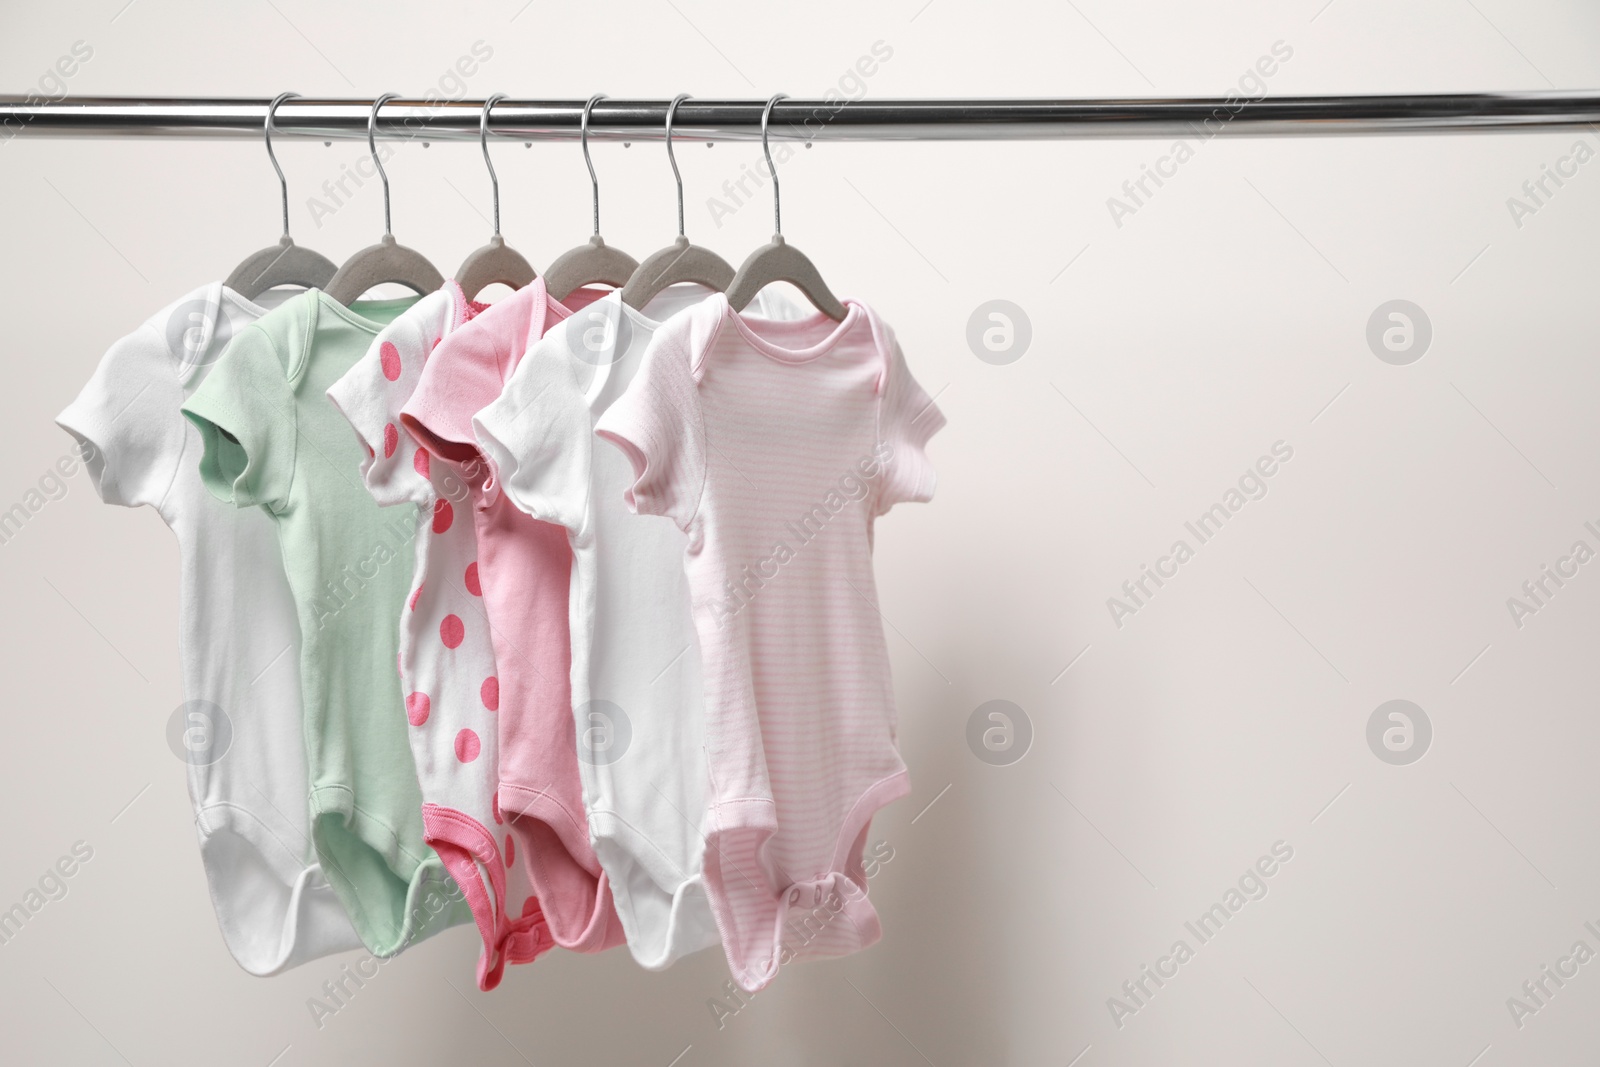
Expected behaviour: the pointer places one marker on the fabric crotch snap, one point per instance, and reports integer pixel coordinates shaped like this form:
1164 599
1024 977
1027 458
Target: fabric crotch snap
833 908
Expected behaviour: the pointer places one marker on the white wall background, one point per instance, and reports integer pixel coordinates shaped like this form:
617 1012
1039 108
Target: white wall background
1167 354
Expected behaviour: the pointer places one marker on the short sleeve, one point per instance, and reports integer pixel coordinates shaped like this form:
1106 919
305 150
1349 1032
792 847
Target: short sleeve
907 419
245 412
537 437
370 396
461 377
657 424
130 436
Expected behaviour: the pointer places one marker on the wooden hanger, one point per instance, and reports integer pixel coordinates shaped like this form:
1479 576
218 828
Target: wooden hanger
284 263
680 261
495 261
385 261
595 261
779 261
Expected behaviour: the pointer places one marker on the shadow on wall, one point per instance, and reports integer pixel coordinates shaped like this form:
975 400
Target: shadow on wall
936 987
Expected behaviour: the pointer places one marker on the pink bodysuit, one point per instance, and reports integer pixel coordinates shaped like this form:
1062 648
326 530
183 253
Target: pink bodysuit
774 445
524 570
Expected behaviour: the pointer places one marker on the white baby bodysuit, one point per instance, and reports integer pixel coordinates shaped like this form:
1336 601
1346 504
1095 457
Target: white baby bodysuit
239 637
447 664
636 681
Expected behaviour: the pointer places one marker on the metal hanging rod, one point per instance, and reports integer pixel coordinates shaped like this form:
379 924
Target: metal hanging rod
865 120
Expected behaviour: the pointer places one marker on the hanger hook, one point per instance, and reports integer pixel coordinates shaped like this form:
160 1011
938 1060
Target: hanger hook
483 139
671 158
283 183
372 147
777 211
583 137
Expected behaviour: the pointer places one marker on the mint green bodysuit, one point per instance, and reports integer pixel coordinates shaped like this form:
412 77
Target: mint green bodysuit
273 439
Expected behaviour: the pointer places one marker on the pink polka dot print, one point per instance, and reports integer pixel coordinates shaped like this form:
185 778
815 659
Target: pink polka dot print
499 820
443 515
417 705
511 852
420 461
452 631
415 596
473 585
391 439
467 746
389 357
490 692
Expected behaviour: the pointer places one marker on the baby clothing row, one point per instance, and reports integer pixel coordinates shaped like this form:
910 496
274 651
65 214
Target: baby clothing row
575 638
